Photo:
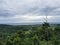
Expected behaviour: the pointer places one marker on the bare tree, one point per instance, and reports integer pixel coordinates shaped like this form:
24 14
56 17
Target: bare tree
46 18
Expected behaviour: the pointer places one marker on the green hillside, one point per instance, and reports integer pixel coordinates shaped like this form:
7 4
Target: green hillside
44 34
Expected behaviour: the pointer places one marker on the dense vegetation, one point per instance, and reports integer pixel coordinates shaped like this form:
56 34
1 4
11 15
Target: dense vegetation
30 35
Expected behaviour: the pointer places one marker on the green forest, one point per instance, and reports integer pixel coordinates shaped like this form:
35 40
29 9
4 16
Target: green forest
44 34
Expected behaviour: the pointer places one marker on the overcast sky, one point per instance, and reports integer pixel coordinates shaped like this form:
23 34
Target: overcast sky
26 11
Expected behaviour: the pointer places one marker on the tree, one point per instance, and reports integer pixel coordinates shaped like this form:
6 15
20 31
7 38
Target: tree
2 43
46 26
8 41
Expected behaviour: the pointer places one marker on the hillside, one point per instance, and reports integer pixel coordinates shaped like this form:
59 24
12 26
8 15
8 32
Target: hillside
29 35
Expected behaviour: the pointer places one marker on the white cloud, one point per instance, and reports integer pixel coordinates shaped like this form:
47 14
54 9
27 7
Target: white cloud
27 19
28 10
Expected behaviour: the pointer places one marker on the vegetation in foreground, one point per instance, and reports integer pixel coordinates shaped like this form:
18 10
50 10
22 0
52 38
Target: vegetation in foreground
30 35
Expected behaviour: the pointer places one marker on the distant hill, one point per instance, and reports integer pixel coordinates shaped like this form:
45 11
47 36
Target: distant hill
4 25
33 23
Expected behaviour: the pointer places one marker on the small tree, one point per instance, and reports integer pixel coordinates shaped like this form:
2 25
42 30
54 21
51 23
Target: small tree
46 26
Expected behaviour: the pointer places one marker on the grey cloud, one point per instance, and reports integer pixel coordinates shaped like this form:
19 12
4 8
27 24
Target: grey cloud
6 13
49 11
18 7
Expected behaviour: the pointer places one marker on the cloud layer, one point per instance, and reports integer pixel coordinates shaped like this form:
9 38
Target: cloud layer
17 10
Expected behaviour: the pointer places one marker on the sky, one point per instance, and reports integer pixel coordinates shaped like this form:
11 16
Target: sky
29 11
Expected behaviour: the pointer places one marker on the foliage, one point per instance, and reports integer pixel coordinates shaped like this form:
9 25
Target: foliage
30 35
